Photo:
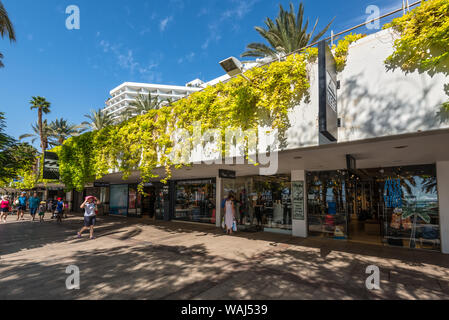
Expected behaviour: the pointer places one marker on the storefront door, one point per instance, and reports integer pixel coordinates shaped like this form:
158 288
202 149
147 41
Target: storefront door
365 214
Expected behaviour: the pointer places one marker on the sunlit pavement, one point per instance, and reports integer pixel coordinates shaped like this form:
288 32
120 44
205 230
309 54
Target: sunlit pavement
142 259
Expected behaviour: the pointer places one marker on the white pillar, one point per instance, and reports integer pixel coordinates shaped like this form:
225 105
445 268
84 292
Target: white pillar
443 199
299 224
219 196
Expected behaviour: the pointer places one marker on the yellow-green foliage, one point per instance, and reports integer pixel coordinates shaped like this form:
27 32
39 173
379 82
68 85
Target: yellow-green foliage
342 48
238 103
423 44
264 100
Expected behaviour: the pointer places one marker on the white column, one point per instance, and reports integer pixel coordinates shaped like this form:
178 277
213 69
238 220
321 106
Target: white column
443 199
219 196
299 226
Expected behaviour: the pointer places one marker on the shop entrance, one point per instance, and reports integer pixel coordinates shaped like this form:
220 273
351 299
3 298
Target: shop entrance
365 210
155 201
149 202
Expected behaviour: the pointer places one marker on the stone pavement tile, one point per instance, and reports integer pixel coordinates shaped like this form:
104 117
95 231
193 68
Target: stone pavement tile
144 260
414 278
411 292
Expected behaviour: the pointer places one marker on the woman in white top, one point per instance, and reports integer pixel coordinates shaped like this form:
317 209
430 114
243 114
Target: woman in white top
229 213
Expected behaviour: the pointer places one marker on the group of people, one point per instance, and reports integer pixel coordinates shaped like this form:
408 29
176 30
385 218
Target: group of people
35 206
57 207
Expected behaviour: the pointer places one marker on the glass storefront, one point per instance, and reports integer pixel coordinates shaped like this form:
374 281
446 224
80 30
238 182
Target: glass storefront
262 201
134 201
155 200
326 204
195 200
118 199
394 206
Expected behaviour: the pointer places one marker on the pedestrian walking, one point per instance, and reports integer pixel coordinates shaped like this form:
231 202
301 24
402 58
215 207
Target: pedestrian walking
229 214
54 204
42 209
66 208
4 208
59 209
22 206
90 215
34 205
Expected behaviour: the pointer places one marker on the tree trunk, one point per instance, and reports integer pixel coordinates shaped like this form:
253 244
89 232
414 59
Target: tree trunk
41 131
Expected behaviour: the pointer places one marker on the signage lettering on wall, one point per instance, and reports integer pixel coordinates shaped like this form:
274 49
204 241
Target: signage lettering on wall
226 174
51 166
298 200
328 109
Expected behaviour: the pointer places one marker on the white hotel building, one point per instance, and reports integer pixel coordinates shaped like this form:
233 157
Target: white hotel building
126 93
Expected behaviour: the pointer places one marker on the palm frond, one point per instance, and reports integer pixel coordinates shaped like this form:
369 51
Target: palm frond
287 33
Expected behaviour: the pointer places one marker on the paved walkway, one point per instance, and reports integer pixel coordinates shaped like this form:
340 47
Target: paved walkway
141 259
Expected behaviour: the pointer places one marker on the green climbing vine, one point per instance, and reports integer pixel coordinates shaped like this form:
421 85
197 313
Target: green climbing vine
423 44
145 142
342 48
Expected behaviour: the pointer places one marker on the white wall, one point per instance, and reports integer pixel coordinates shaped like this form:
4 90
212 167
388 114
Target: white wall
374 102
443 198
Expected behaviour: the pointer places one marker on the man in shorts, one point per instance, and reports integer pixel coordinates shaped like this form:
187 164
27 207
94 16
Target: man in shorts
90 215
22 206
34 205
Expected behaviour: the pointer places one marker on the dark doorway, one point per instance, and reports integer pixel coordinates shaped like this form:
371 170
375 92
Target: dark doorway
149 202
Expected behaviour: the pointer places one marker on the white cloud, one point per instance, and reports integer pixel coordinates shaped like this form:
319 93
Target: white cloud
187 58
240 9
126 60
163 24
144 31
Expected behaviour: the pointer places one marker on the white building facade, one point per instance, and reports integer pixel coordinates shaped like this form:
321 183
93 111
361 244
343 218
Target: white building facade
126 93
395 193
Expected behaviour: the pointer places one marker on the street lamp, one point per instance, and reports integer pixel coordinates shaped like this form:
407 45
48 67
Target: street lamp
233 67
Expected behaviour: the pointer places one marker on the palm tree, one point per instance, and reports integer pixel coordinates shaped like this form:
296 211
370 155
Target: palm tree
6 28
42 106
98 120
285 35
143 104
60 130
43 135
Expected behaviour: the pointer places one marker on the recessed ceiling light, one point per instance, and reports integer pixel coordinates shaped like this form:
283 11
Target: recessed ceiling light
401 147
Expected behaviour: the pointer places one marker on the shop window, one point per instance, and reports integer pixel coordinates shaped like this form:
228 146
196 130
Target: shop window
195 201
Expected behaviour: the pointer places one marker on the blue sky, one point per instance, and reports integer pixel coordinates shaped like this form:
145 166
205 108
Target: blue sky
167 42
